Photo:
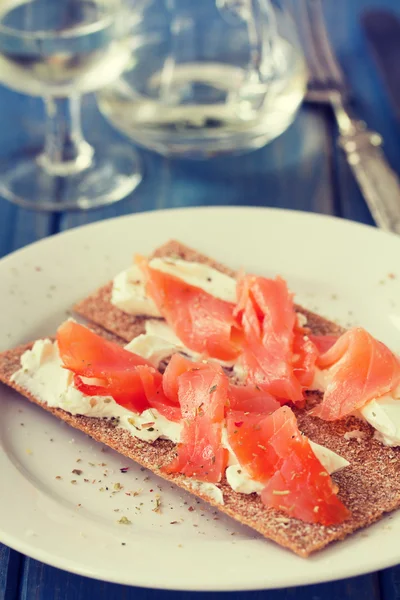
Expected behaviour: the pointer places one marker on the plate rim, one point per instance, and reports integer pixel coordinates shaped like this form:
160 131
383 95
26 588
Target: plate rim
208 208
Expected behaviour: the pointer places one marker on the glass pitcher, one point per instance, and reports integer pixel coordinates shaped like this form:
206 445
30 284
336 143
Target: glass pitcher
207 76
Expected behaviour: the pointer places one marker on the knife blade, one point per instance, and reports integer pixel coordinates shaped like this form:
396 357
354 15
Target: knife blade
382 30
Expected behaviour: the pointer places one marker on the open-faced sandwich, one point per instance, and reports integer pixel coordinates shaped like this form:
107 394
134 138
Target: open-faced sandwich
219 383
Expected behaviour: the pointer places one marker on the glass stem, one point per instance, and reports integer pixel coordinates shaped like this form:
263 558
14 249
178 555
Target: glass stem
65 150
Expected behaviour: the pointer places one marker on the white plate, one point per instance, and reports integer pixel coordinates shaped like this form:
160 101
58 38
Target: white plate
345 271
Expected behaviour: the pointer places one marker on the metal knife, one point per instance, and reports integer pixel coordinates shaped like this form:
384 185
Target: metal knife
382 29
379 181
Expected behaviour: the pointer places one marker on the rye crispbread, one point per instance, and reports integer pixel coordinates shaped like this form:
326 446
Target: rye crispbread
369 487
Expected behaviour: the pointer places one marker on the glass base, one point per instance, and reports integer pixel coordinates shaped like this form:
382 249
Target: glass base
114 173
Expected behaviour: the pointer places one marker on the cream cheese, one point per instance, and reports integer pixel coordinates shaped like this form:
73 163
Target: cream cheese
384 415
240 481
129 294
331 461
301 319
159 328
152 348
208 489
160 342
319 381
43 375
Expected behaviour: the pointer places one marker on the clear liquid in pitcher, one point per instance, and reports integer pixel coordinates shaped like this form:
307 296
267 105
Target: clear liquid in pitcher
198 88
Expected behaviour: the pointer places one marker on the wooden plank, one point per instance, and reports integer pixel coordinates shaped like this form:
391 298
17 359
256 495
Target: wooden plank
389 581
20 125
46 583
19 228
369 96
291 172
10 568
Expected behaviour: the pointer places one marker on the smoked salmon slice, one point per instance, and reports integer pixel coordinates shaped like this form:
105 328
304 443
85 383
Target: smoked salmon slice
124 376
203 395
261 442
323 343
202 322
167 402
303 489
357 368
177 365
273 451
251 398
266 312
165 407
305 355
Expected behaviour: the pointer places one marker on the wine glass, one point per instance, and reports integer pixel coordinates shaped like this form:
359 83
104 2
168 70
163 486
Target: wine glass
60 49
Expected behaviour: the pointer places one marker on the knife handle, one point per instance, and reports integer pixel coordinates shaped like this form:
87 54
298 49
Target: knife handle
378 182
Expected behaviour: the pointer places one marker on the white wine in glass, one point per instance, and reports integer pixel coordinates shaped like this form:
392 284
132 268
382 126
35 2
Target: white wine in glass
60 49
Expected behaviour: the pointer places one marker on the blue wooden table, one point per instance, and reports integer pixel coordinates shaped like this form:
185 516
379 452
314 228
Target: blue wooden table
301 170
